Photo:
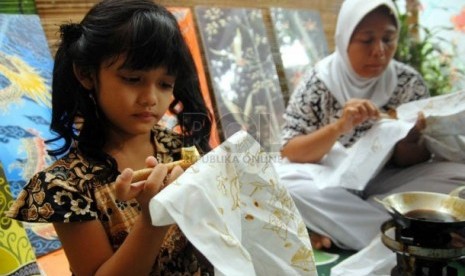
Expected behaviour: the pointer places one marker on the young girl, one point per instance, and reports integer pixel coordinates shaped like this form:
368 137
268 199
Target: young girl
118 72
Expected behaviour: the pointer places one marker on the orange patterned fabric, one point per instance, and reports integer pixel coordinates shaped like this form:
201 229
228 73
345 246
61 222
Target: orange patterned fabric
186 23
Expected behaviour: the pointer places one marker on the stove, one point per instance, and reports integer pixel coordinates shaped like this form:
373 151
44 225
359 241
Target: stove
421 252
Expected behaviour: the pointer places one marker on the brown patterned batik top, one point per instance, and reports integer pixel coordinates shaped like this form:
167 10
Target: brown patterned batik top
75 189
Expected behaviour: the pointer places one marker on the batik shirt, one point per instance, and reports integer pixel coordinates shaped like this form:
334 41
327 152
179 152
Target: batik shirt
75 189
312 106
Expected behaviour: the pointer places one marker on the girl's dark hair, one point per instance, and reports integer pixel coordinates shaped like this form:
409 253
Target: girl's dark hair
149 36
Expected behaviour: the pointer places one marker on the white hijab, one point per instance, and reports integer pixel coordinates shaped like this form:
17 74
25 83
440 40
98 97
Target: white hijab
336 71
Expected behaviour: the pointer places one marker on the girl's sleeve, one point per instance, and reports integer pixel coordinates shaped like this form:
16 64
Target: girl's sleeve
47 197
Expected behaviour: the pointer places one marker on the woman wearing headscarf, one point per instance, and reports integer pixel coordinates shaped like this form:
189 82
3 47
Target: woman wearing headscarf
339 100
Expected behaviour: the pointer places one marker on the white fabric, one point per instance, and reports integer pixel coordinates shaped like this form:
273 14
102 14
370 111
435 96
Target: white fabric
374 260
336 71
232 208
341 167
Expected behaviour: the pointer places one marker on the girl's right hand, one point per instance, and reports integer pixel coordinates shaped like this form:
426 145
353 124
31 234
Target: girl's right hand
143 191
355 112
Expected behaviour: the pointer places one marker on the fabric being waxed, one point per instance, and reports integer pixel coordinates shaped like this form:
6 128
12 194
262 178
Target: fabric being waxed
340 167
232 208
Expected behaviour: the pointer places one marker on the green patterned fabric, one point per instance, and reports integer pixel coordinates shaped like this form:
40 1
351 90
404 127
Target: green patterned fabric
18 6
326 259
16 253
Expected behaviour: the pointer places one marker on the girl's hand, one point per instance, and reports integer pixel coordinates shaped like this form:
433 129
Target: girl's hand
355 112
143 191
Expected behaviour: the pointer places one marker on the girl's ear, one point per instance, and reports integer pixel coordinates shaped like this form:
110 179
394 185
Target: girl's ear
84 77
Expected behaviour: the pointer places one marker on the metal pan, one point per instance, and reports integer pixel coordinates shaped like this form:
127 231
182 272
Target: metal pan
449 210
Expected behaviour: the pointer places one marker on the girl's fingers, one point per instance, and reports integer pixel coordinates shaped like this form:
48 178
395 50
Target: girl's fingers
154 182
151 161
149 187
142 174
123 188
174 174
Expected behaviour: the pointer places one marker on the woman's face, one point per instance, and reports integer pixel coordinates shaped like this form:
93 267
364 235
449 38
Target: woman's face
373 44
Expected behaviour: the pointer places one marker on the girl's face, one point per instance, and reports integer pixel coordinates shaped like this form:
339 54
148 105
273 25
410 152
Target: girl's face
133 100
373 44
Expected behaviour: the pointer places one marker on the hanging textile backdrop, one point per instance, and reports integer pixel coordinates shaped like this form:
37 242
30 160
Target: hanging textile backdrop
16 252
301 41
25 102
244 76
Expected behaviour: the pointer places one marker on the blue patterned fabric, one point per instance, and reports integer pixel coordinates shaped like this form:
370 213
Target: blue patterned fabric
25 108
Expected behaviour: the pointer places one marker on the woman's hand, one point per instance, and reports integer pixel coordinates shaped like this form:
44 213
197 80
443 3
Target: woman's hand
312 147
355 112
143 191
411 150
414 135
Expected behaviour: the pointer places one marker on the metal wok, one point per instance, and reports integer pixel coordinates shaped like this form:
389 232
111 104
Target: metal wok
447 211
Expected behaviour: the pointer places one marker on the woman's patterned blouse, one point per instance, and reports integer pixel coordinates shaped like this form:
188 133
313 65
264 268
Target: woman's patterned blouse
312 105
76 189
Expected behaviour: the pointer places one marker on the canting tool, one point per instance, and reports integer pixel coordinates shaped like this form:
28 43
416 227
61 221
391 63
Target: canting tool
189 155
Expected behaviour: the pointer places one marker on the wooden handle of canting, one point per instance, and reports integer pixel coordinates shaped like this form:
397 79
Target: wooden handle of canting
390 114
144 173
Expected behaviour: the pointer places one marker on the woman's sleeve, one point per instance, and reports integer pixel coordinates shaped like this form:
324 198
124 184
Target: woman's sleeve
301 116
47 197
420 87
415 85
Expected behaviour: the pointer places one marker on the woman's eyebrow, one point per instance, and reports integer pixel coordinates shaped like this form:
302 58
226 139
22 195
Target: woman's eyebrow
371 31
